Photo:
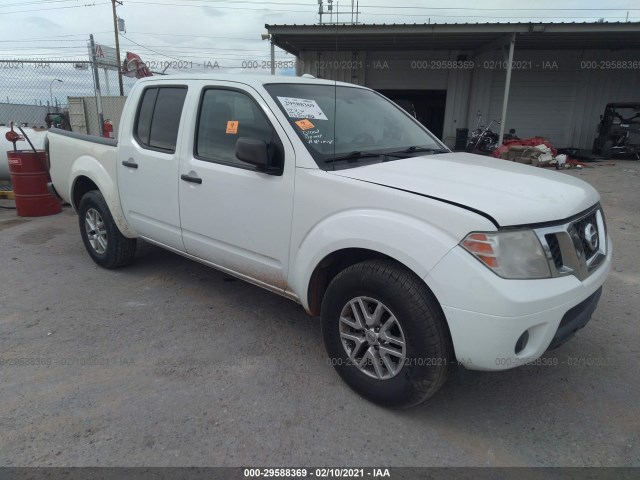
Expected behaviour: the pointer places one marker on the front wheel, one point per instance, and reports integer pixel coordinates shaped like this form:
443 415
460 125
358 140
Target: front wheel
385 334
100 234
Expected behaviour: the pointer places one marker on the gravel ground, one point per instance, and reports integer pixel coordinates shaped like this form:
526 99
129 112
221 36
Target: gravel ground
169 363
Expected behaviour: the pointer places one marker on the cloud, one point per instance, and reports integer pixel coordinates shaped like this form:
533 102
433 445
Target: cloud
43 23
213 12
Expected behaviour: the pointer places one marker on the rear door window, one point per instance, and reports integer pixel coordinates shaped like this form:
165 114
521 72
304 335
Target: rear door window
159 116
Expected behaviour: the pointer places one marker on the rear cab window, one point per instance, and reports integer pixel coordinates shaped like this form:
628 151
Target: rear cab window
158 117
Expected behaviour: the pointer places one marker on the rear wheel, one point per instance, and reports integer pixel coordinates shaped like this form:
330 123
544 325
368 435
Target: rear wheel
100 234
607 149
385 334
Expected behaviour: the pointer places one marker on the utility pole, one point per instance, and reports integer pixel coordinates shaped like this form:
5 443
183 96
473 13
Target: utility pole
115 31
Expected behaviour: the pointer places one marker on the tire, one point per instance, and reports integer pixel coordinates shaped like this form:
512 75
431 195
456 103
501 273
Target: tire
100 234
607 149
400 381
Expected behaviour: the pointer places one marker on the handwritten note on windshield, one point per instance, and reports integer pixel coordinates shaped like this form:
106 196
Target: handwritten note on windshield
302 108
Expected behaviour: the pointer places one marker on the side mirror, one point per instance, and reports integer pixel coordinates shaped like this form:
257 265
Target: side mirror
253 151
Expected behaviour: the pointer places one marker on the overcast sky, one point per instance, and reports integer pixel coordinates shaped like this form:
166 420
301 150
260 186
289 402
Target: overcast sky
199 32
229 31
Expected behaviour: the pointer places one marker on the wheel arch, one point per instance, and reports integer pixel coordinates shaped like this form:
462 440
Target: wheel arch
335 262
90 174
81 185
353 236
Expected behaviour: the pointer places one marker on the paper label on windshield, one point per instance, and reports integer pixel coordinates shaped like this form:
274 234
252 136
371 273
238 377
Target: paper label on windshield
305 124
302 108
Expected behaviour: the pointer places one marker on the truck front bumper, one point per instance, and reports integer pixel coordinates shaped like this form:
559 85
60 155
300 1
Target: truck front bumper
497 324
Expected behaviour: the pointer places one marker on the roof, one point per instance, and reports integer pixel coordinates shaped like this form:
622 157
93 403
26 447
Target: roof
624 104
456 36
247 79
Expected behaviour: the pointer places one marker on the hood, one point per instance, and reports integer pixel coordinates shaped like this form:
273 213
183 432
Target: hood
509 192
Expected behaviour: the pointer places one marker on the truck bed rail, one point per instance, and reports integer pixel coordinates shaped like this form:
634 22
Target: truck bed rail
88 138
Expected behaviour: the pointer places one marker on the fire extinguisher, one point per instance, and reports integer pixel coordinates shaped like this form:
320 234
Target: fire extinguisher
107 129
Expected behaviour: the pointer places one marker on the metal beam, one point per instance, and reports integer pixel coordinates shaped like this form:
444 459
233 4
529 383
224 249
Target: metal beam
507 85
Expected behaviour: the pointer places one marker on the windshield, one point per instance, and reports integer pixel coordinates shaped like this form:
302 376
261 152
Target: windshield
625 115
345 127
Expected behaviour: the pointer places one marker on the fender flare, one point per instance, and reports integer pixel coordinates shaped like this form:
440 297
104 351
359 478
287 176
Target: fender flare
89 167
416 244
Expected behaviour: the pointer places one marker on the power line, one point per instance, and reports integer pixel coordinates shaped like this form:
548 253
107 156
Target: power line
221 7
48 38
193 36
216 3
151 50
389 7
55 8
22 4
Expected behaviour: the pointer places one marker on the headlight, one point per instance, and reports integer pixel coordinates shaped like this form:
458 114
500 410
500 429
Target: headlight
510 254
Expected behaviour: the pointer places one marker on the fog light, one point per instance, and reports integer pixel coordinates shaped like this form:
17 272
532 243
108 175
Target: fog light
522 342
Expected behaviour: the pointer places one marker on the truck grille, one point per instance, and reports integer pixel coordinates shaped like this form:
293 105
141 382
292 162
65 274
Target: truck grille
554 247
577 247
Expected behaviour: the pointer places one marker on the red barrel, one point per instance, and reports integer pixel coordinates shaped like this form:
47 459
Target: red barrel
29 179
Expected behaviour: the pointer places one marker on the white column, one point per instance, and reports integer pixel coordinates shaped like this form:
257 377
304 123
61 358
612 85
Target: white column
507 84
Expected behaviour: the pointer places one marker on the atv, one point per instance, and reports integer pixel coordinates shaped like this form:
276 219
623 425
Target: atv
618 132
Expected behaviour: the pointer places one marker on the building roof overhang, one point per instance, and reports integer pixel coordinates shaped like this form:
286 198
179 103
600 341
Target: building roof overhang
474 37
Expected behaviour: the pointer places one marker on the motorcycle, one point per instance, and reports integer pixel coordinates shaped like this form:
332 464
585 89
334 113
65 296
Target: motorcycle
483 140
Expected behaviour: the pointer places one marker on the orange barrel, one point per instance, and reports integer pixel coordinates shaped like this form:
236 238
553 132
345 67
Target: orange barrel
29 179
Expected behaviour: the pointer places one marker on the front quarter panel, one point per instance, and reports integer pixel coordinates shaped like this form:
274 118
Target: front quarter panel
334 213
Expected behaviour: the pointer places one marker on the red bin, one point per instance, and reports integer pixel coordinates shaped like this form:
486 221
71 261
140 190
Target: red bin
29 178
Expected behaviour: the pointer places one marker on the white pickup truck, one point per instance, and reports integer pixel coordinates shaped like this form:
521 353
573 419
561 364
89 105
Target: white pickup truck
414 257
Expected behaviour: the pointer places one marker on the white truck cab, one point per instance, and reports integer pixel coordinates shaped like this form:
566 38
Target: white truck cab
416 258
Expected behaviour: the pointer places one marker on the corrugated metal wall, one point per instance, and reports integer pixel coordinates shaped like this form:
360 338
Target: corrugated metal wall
556 94
33 115
559 94
340 66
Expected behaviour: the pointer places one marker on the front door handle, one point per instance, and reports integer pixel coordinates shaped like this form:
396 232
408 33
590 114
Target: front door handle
130 163
189 178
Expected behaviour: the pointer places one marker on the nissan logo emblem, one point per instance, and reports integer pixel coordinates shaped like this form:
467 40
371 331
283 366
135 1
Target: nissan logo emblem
591 236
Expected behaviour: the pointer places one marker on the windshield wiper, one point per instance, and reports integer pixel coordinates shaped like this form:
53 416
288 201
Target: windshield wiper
353 156
415 148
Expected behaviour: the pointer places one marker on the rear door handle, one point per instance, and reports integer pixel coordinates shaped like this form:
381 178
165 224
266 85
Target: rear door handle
130 163
189 178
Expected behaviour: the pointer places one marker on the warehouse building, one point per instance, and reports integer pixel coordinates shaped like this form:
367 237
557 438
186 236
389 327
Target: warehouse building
556 85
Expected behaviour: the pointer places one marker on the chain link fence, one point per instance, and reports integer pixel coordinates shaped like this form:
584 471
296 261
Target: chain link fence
40 94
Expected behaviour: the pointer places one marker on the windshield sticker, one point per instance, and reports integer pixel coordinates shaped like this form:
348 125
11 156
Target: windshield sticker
305 124
232 127
302 108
